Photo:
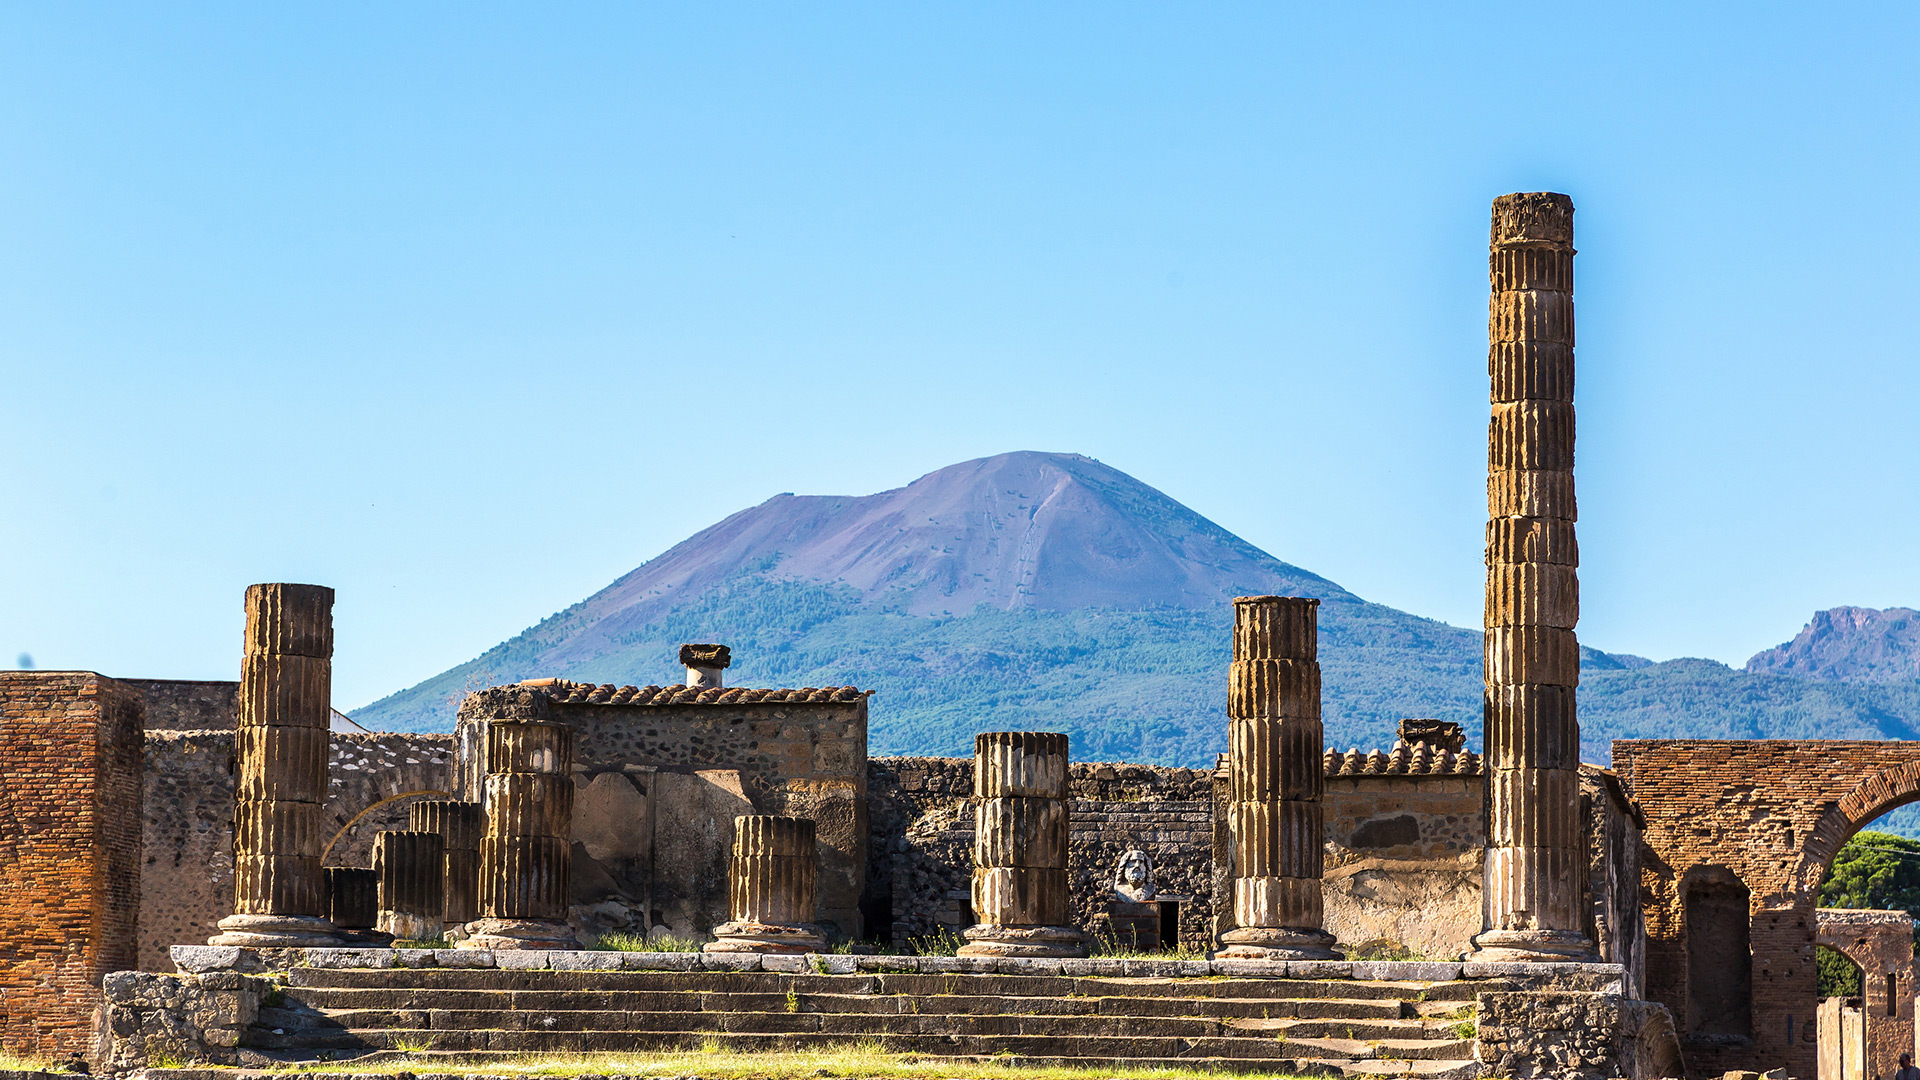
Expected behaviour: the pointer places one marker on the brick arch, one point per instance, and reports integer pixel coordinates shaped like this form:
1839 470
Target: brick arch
1876 794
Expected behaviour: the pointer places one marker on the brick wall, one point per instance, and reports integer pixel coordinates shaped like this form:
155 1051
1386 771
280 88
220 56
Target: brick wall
1768 814
70 812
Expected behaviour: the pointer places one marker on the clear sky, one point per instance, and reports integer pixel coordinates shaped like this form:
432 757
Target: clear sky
465 309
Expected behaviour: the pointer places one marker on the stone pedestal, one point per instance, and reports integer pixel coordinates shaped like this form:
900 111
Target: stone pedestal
280 751
1130 924
460 825
1275 781
353 905
1020 838
526 854
413 895
772 882
1536 862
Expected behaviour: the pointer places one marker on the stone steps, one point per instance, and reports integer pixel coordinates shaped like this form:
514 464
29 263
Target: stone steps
1346 1026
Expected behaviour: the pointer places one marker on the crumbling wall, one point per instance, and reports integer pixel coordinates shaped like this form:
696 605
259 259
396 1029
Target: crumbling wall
187 868
922 843
1769 814
189 704
70 812
1403 869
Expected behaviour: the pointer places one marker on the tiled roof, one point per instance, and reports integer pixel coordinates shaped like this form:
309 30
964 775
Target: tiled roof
1415 759
572 693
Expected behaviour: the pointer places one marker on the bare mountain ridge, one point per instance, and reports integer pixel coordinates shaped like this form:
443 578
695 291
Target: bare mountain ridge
1849 644
1053 532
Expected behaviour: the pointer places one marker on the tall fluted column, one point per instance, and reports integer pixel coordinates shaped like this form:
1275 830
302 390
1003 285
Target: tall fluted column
280 744
413 884
1536 862
1020 847
526 854
772 883
460 825
1276 780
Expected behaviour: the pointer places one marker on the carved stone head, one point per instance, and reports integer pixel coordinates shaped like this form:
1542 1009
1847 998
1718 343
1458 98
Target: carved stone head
1133 878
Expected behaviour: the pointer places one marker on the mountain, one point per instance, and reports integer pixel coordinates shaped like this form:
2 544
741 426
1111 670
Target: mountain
1051 591
1849 644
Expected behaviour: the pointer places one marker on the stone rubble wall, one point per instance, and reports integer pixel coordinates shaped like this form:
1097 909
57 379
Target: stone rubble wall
187 868
190 1019
70 813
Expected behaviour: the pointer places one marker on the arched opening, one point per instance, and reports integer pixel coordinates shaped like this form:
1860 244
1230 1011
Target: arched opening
1718 913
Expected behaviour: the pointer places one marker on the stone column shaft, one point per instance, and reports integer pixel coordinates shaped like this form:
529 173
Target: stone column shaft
1020 836
1275 779
527 853
413 891
772 887
1536 862
353 897
280 750
460 825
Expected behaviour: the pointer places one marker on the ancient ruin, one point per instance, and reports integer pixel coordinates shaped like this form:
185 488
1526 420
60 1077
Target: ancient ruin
1020 847
1500 914
772 882
286 682
1535 849
1274 771
526 855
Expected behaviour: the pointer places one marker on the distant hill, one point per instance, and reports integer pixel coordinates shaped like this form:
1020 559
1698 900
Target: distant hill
1036 590
1850 644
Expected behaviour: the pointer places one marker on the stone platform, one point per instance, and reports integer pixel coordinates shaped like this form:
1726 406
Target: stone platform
474 1006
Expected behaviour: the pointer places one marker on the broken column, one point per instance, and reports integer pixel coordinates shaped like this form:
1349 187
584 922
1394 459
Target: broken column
526 854
1536 862
459 825
1020 847
1275 780
413 893
353 904
280 750
772 881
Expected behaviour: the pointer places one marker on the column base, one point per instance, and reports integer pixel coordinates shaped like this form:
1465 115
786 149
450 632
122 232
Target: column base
1532 947
988 940
1277 943
517 934
752 937
276 932
406 926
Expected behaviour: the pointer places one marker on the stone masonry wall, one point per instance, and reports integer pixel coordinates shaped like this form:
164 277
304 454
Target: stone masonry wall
187 871
921 856
1770 815
1403 863
70 811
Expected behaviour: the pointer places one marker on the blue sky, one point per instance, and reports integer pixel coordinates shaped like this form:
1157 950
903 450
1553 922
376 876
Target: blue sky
466 310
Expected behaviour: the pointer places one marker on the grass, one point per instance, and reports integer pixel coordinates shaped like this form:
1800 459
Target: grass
1111 949
867 1059
622 942
1466 1029
12 1062
436 943
941 942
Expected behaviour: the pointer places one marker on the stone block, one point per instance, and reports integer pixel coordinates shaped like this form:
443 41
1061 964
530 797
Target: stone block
791 963
521 959
896 964
833 963
463 958
585 960
198 958
730 961
659 961
1147 968
1319 969
351 958
414 958
1271 969
1406 970
1027 965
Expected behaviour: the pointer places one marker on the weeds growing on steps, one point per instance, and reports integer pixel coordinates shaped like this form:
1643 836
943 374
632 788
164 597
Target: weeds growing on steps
436 943
866 1059
621 942
12 1062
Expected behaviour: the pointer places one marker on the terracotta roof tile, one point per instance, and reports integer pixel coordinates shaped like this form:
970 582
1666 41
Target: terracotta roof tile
1405 759
573 693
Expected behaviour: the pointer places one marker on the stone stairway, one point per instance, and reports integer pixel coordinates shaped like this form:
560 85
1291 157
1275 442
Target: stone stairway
1303 1025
